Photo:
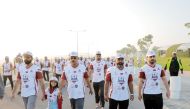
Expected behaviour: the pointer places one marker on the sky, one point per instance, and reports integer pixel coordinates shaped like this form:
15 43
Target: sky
43 26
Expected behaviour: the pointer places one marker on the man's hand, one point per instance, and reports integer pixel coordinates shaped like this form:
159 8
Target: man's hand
131 97
140 97
43 97
168 94
60 93
90 92
1 97
106 98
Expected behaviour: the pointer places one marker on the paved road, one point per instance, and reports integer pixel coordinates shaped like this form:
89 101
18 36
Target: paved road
183 103
17 103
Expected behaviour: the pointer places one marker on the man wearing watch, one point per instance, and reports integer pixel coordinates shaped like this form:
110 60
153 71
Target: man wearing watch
121 85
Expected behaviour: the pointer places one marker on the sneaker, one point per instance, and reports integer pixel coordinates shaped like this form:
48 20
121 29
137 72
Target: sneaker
97 106
19 93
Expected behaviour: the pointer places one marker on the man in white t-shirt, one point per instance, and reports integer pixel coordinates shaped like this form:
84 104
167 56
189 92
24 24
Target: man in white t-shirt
120 81
28 77
18 64
58 68
109 62
150 78
7 71
38 63
75 74
46 68
98 69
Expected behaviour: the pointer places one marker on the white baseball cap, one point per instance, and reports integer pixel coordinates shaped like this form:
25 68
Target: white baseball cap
28 53
73 53
54 79
19 57
174 52
119 55
151 53
98 52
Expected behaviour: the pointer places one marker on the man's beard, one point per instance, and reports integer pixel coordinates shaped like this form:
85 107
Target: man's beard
152 62
120 63
27 61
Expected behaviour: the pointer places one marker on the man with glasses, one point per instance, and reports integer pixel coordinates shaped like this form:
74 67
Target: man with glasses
75 74
98 69
149 84
120 80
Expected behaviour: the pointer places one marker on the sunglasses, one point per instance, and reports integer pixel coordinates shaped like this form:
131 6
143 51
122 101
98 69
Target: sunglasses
73 57
151 56
121 59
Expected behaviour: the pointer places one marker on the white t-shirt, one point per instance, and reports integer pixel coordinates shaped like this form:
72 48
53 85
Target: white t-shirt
46 66
119 79
75 78
17 66
152 77
52 98
38 64
7 69
58 68
29 78
98 68
109 64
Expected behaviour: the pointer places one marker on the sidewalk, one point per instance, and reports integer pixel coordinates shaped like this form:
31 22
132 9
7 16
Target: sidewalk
184 101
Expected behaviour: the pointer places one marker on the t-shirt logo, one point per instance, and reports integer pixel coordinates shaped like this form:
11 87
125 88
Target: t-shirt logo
79 70
98 69
25 78
154 77
74 78
121 80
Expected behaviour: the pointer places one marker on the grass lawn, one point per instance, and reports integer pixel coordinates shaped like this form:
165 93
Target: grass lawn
185 62
163 60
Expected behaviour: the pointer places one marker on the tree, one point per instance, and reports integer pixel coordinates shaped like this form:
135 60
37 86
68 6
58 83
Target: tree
155 48
131 49
145 43
123 50
127 50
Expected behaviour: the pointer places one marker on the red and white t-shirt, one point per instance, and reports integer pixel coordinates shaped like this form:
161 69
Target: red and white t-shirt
38 64
119 79
17 66
58 68
75 78
109 64
152 77
7 69
46 66
98 68
28 77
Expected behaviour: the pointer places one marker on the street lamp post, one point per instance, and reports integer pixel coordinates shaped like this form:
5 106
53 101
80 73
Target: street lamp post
77 32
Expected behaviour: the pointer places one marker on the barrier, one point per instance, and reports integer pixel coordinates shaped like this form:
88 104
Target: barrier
175 87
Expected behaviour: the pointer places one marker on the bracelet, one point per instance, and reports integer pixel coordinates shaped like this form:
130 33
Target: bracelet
132 94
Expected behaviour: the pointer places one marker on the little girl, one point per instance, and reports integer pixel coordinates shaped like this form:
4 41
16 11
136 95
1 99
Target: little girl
54 102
